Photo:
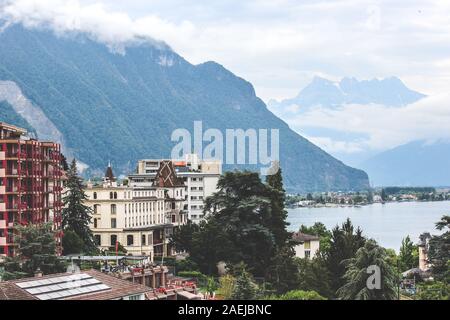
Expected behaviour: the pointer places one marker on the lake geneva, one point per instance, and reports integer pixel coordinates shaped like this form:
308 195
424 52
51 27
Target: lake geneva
387 223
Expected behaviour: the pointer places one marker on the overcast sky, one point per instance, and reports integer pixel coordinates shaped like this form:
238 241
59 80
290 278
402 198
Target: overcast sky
279 45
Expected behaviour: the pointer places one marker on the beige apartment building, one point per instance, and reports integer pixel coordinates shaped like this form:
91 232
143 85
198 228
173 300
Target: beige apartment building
200 178
140 217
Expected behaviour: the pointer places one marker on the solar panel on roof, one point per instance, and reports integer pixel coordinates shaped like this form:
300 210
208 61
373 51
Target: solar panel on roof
62 287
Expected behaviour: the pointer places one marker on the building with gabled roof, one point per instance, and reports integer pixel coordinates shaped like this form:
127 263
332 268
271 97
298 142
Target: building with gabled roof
306 245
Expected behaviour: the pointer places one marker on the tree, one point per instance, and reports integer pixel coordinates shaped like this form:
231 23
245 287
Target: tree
76 216
345 242
226 286
210 245
241 212
314 276
439 252
320 230
72 243
357 274
64 164
36 250
278 214
182 237
297 295
434 290
407 257
370 196
245 288
282 273
384 196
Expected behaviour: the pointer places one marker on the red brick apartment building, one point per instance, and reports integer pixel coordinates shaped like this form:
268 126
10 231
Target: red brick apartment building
30 184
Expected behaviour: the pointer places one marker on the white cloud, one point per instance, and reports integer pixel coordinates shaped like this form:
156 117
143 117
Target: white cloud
385 127
279 45
276 45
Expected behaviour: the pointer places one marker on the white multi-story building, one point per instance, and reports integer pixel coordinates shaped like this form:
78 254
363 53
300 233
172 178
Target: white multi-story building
200 180
139 217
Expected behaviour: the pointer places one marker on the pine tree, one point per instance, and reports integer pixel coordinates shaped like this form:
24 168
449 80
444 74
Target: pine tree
279 214
76 216
282 272
245 288
345 242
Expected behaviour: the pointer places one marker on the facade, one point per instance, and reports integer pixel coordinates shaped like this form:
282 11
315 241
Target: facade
307 246
30 184
140 217
424 245
200 179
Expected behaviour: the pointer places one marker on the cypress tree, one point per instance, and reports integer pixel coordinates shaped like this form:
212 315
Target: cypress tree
76 216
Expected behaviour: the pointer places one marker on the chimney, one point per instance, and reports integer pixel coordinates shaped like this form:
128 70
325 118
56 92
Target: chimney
38 273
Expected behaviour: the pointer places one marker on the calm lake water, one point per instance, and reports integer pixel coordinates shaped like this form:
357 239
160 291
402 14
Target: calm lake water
387 223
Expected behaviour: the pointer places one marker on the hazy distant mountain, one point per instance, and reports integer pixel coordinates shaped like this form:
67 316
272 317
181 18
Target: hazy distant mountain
327 93
417 163
124 106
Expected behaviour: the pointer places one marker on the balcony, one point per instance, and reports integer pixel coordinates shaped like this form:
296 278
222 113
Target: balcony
12 172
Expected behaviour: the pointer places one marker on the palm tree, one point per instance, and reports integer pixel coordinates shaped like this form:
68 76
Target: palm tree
358 271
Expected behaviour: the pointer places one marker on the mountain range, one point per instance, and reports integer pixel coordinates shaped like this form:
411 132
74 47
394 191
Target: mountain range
415 163
121 106
418 163
323 92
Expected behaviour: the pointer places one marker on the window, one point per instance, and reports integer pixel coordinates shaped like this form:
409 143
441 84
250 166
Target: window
111 195
113 240
113 209
307 254
143 239
95 195
135 297
115 195
307 244
98 240
113 223
95 222
96 208
130 240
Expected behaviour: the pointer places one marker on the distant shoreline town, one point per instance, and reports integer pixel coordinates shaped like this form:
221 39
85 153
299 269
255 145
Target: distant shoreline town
357 199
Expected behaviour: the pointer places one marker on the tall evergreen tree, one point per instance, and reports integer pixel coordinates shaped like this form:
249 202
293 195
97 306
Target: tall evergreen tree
245 288
283 271
345 242
76 216
278 217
